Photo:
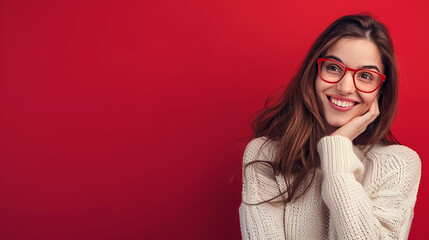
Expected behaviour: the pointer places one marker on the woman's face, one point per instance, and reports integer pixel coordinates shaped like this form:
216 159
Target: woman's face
354 53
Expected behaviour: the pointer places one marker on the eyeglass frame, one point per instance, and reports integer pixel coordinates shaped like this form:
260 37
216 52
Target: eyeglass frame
320 60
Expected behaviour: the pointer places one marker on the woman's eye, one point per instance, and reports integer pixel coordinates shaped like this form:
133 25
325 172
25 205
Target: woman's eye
333 68
366 76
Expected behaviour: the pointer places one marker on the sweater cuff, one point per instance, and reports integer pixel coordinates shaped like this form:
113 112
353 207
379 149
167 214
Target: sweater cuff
336 155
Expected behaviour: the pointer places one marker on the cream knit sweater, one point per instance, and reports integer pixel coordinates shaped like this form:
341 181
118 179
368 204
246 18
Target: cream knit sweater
351 197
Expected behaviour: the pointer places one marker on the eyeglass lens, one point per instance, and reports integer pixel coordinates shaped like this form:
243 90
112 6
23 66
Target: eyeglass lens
364 80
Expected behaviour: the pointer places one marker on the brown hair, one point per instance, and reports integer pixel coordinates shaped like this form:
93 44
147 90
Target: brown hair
294 120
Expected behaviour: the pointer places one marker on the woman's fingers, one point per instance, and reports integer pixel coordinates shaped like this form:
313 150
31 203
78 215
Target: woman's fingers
374 112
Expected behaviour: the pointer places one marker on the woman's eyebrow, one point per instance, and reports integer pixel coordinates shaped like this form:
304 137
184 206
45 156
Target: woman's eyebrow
335 58
363 67
371 67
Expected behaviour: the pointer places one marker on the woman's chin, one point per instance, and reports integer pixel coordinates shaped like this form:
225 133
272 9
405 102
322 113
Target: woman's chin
337 122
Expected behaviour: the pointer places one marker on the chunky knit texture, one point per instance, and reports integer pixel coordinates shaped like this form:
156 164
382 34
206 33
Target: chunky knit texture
352 196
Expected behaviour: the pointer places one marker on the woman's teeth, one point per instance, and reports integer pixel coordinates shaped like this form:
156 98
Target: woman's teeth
340 103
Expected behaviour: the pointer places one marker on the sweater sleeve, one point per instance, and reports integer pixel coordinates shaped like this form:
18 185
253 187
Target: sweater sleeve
384 214
262 221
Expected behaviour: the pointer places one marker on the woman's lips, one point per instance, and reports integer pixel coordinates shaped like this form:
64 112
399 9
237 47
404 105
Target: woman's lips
344 105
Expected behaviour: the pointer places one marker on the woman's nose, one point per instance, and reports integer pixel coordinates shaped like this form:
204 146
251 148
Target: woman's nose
346 85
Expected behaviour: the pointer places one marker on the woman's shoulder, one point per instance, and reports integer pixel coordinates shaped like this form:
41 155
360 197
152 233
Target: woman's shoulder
394 150
261 148
395 156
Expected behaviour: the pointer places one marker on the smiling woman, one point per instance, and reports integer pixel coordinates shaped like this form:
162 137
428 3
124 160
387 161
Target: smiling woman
344 95
323 163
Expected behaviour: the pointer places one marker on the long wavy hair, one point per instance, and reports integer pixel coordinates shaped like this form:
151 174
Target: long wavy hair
293 118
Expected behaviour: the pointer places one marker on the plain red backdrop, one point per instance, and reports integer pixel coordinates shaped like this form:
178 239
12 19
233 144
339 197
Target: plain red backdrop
121 119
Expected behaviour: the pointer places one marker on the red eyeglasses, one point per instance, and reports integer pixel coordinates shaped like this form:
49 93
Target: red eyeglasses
365 80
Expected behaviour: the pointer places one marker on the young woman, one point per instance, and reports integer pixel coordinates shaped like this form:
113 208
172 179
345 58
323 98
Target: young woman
323 163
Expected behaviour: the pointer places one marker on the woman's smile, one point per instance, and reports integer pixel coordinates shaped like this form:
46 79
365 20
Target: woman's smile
341 104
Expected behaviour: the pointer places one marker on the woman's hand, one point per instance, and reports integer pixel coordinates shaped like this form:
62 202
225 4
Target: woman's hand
357 125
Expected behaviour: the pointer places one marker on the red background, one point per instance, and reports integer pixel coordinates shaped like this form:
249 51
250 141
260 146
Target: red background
122 119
